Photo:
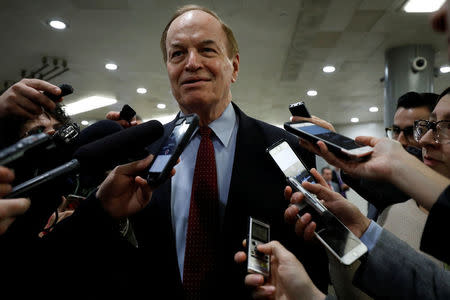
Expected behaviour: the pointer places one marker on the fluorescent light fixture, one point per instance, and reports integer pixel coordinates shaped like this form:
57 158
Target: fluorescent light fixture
84 123
161 105
141 90
111 66
163 119
373 109
422 6
329 69
88 104
445 69
354 120
311 93
57 24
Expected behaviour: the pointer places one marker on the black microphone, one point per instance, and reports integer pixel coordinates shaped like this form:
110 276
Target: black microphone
17 150
99 155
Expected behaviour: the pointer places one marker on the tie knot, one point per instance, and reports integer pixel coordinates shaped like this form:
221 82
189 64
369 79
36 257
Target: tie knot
205 131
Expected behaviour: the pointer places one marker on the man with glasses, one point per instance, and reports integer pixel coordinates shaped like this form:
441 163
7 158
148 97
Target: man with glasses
410 107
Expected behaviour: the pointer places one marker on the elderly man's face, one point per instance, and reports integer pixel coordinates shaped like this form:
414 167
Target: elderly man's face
198 65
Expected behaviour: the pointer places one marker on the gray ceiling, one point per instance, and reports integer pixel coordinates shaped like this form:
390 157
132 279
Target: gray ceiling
283 46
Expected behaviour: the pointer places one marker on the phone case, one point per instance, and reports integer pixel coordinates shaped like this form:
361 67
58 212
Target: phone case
193 121
299 109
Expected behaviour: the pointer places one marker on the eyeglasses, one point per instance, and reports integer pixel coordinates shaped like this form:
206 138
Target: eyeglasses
394 132
441 130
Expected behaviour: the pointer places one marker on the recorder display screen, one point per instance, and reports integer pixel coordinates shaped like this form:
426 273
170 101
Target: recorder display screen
325 134
260 233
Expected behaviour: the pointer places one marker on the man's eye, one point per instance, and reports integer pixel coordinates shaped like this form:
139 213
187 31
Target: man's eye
176 53
208 50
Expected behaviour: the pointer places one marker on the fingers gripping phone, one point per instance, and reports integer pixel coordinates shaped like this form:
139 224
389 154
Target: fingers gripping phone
340 145
258 233
331 232
299 109
171 149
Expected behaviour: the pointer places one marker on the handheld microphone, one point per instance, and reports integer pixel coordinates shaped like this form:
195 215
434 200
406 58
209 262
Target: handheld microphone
99 155
18 149
66 89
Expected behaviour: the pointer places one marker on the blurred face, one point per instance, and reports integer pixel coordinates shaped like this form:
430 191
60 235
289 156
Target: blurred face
42 123
198 66
437 155
327 174
404 120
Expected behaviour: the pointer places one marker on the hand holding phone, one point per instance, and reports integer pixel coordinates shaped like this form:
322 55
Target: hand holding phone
127 113
340 145
66 89
334 235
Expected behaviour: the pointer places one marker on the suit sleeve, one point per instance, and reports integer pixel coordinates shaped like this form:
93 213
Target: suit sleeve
435 232
394 270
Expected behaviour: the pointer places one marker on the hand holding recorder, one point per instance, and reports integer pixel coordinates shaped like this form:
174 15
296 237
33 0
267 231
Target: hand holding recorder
288 278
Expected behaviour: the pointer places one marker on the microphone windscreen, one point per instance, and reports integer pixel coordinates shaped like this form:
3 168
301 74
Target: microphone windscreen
97 131
106 152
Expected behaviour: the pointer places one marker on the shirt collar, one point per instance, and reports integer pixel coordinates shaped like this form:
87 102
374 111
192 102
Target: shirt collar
223 126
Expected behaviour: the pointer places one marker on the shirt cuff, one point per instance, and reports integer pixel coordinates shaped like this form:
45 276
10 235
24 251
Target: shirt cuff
370 237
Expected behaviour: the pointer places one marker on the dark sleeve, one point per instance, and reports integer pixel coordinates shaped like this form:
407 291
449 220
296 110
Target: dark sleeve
394 270
378 193
436 229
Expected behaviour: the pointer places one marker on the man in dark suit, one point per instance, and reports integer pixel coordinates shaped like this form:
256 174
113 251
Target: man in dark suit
202 60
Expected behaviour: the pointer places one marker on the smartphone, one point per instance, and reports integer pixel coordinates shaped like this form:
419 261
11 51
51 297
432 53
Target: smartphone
258 233
331 232
127 113
340 145
299 109
171 149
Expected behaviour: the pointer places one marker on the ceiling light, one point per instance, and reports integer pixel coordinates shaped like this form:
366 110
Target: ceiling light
445 69
84 123
422 6
161 106
111 66
141 90
57 24
88 104
354 120
329 69
373 109
311 93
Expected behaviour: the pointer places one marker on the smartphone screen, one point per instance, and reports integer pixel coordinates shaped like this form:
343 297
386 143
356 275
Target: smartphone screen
289 163
325 134
171 149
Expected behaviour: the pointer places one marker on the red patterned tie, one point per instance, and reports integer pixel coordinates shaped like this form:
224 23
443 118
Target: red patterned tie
203 224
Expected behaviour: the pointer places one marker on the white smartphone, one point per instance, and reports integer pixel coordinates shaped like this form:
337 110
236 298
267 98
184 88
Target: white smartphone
336 143
331 232
258 233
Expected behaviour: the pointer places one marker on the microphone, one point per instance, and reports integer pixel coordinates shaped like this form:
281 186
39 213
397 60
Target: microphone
17 150
99 155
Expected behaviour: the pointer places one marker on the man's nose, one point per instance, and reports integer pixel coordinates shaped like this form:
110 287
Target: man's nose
402 139
427 138
193 61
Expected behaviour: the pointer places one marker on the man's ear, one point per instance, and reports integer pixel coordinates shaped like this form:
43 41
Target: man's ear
235 63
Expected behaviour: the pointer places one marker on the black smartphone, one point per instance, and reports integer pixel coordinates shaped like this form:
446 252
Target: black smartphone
331 232
340 145
299 109
66 89
171 149
127 113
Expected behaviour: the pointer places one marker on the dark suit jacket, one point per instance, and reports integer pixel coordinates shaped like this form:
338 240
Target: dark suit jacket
110 266
256 189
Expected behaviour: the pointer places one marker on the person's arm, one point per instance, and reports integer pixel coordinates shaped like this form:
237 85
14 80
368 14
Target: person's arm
390 162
